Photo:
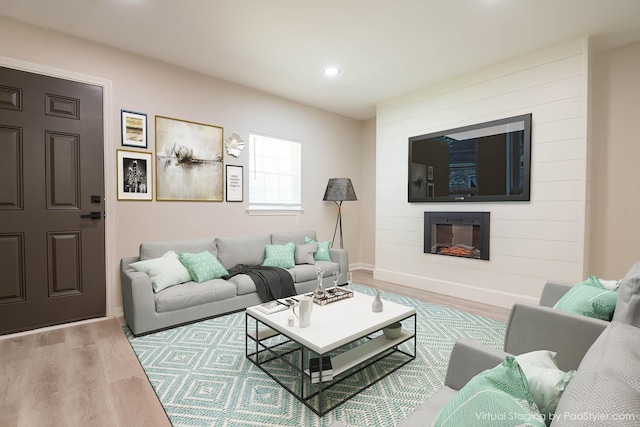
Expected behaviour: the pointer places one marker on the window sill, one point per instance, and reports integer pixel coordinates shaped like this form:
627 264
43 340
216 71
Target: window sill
274 210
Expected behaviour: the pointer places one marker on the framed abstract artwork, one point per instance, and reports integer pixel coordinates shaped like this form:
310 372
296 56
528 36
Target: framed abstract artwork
189 161
134 129
134 175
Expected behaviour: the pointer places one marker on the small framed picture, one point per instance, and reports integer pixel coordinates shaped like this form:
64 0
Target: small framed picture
431 190
134 129
234 183
430 173
134 175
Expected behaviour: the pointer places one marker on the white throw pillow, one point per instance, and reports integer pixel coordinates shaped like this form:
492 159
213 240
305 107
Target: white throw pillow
164 272
546 381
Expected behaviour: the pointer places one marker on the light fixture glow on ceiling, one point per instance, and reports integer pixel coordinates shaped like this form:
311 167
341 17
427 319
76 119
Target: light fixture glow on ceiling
331 71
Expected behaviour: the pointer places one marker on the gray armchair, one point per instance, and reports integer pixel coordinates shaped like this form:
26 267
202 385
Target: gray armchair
535 327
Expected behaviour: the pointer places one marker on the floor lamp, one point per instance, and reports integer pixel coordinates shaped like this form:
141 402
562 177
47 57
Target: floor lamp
339 190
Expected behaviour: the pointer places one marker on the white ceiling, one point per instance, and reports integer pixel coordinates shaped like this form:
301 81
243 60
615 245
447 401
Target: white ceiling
384 48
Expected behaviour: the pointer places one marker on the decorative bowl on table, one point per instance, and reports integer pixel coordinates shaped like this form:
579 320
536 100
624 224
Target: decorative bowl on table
393 330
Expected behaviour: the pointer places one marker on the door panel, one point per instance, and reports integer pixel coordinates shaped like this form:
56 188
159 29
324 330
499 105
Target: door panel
51 259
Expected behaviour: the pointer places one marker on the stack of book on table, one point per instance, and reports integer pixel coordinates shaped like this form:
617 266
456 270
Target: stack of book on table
314 369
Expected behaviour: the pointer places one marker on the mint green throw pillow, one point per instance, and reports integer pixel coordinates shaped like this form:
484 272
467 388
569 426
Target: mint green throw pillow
280 255
495 397
164 272
203 266
589 298
323 249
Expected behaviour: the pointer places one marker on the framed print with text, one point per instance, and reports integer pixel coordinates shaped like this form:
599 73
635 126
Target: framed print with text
234 183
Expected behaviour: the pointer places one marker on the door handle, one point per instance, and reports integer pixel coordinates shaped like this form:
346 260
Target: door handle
92 215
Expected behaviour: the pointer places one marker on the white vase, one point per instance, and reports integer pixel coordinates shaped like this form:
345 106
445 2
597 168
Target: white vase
376 305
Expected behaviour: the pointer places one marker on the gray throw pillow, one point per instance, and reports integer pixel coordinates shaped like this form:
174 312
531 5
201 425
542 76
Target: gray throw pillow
628 303
305 253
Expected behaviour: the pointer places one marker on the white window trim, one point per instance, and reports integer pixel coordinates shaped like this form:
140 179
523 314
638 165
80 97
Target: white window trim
257 210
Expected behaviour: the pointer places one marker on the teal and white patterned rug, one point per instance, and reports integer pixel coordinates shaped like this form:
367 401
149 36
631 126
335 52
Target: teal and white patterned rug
202 378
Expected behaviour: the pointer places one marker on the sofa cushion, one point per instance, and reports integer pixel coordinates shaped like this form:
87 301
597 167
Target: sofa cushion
203 266
606 384
305 254
280 255
305 272
244 283
628 304
164 271
296 237
247 250
498 396
191 294
589 298
152 250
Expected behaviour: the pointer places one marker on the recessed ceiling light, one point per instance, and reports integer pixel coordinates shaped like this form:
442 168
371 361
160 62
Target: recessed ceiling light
331 71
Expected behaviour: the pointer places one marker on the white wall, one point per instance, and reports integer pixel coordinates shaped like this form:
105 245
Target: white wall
530 241
330 143
616 153
367 193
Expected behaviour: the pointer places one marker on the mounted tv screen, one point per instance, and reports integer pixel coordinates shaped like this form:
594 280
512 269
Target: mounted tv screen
478 163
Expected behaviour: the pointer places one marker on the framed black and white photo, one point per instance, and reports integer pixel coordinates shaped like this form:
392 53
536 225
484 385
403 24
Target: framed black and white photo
134 129
134 175
234 183
430 173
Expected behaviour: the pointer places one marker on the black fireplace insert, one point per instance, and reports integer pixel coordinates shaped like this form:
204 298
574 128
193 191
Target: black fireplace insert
460 234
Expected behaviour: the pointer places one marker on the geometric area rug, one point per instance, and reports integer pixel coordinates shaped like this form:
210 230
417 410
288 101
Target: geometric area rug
202 378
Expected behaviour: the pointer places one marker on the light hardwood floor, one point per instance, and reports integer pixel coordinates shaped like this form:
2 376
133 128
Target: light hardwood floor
88 375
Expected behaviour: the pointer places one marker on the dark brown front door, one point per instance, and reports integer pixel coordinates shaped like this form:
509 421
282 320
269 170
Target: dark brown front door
52 256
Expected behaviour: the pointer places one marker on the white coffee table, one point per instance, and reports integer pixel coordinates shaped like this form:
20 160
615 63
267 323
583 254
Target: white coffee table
347 330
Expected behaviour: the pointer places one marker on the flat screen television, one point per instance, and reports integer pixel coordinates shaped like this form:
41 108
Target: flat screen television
484 162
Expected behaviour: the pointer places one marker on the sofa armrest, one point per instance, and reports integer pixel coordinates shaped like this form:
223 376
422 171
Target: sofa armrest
137 295
532 327
342 258
552 292
469 358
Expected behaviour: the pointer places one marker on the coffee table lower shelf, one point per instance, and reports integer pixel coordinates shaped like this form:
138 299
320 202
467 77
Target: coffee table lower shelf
269 349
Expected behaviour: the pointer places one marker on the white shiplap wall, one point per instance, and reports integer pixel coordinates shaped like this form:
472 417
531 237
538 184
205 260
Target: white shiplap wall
530 241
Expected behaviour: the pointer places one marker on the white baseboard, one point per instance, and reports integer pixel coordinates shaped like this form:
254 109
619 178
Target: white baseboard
362 266
458 290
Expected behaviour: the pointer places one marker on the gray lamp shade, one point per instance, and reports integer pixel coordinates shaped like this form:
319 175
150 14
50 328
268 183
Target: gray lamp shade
339 190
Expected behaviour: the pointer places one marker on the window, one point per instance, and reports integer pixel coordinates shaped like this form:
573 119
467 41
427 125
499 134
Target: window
274 175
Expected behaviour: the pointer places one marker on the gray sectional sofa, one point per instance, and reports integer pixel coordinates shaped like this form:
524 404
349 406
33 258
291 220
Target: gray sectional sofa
146 311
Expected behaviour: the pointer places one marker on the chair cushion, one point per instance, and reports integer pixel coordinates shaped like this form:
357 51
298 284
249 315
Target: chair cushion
546 382
628 304
606 384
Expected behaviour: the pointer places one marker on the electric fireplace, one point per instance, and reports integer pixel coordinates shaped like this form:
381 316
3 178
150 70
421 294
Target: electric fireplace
460 234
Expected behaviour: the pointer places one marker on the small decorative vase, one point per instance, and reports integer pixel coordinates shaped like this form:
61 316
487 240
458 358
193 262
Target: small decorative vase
319 292
376 305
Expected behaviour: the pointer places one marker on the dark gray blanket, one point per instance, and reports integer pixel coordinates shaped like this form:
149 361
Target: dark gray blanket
271 282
